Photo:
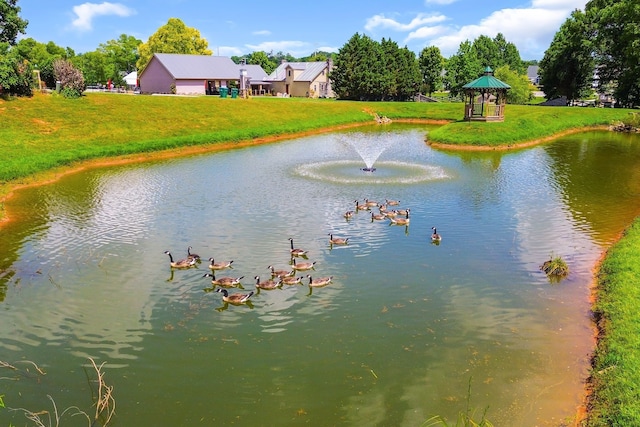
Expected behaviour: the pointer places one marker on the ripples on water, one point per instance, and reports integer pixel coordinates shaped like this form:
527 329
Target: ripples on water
397 335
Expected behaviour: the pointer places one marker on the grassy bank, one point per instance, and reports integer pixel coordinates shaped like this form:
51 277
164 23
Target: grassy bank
525 123
615 398
46 131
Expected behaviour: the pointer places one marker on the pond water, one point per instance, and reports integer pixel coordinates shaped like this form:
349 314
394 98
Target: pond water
407 330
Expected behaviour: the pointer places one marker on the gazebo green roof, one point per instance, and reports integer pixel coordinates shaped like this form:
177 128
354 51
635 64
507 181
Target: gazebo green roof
487 81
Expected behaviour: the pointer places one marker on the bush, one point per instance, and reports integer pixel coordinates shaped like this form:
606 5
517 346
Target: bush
70 78
16 76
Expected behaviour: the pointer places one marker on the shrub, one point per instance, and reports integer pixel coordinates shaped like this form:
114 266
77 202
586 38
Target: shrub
70 78
16 76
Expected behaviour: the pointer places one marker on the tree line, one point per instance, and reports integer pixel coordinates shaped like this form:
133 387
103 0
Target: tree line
599 48
602 41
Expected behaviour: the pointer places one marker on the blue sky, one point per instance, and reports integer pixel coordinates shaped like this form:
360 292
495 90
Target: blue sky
300 27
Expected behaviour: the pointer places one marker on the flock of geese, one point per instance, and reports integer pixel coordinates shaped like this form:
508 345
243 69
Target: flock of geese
386 211
395 216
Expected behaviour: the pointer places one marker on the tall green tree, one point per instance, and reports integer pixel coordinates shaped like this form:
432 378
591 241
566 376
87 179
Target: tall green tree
11 24
617 48
16 73
356 68
508 55
122 54
389 73
567 66
366 70
173 37
408 76
260 58
94 67
487 52
462 68
431 63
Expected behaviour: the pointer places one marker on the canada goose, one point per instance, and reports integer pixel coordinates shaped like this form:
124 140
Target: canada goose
402 211
296 251
183 263
348 214
435 237
377 217
360 207
401 221
382 208
219 265
226 282
337 240
319 282
267 284
234 298
390 214
192 255
291 280
280 273
370 203
303 265
392 202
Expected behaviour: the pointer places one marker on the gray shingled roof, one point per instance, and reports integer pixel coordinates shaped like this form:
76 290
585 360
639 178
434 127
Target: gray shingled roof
310 70
200 66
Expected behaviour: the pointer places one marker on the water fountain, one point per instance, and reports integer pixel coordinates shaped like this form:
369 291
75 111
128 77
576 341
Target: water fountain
370 146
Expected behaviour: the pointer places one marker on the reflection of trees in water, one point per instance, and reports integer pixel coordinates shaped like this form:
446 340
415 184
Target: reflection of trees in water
597 176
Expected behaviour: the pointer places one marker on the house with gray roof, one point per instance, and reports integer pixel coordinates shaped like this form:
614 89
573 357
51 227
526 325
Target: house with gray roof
310 79
194 74
532 74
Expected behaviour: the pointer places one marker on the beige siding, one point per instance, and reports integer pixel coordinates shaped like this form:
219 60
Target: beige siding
320 86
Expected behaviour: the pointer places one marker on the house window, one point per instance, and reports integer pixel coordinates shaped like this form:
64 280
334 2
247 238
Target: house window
289 73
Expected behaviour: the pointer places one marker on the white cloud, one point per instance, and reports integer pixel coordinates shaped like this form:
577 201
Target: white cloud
262 33
86 12
421 19
516 26
530 28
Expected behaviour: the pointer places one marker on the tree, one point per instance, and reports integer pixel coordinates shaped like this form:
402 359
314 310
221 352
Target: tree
617 48
16 74
260 58
508 55
520 92
567 66
173 37
93 66
431 63
462 68
408 75
487 52
121 54
10 22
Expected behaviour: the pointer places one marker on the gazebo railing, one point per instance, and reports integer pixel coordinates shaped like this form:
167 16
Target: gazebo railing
478 110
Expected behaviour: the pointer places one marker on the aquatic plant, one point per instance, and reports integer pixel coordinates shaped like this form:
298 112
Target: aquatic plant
555 267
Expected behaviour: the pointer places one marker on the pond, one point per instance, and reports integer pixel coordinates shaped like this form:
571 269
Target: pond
407 329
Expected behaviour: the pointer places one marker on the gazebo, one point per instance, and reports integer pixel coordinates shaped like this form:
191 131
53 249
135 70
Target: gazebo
485 98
